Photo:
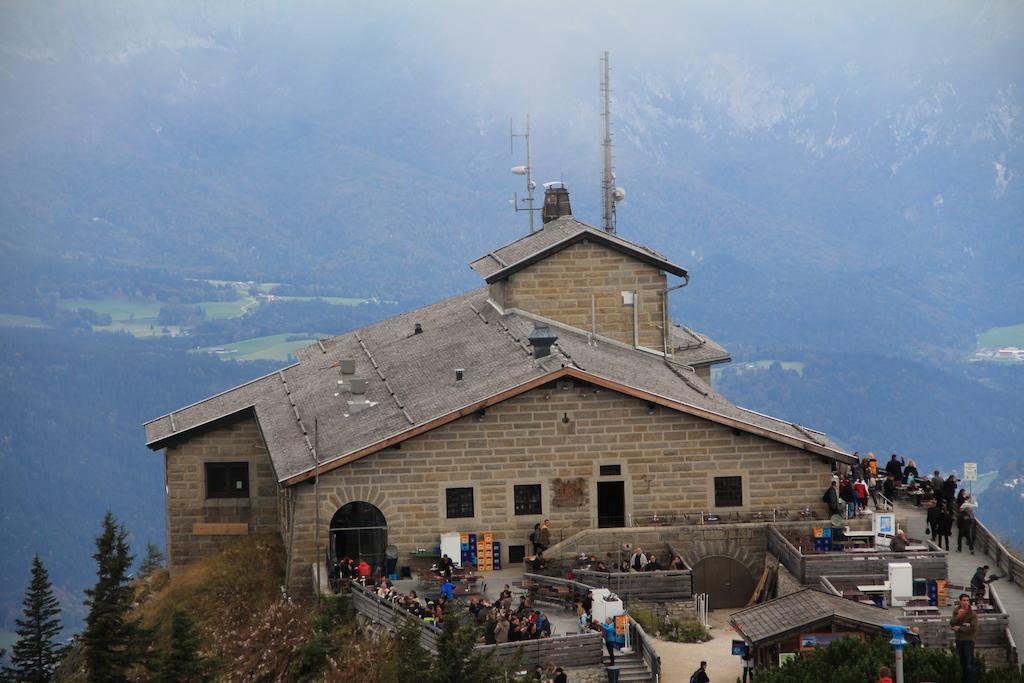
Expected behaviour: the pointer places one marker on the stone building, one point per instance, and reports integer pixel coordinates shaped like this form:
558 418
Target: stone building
560 390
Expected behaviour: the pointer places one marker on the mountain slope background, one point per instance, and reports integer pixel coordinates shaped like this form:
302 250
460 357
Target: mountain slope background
842 182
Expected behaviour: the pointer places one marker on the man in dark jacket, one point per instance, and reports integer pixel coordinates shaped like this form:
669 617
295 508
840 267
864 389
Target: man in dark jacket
831 499
894 467
964 623
949 489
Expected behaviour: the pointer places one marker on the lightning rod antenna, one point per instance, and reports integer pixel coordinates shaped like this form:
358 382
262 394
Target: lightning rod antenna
526 170
608 177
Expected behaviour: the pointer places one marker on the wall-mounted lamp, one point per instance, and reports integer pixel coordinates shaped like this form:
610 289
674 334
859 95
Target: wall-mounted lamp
651 407
565 418
480 414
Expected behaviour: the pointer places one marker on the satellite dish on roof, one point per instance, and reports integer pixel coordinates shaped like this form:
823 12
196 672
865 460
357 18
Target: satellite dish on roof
836 520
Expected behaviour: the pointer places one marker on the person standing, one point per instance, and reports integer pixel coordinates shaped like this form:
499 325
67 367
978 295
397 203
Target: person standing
932 519
608 627
872 464
545 536
894 467
701 674
748 664
964 623
831 499
936 482
945 523
965 526
535 537
949 488
861 489
849 498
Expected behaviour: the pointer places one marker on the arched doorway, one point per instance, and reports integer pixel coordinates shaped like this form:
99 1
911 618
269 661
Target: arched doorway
359 530
726 581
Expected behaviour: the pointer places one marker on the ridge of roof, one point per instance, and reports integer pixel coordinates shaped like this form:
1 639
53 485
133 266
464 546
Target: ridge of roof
555 236
412 384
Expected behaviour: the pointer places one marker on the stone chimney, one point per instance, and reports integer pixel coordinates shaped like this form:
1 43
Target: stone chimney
556 202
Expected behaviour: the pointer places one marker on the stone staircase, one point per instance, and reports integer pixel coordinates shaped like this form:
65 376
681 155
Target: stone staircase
631 667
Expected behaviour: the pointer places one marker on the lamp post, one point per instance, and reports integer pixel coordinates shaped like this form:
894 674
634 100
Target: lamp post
898 642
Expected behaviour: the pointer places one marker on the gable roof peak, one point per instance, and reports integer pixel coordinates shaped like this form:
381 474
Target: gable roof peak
554 236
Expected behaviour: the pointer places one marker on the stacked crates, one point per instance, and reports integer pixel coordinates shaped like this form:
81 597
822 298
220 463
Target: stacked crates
468 551
480 551
823 539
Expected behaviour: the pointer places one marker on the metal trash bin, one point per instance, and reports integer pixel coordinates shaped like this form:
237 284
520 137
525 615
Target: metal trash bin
613 674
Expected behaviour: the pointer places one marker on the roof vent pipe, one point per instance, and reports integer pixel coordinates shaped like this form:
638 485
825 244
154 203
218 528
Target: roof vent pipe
358 385
541 340
348 366
556 202
417 329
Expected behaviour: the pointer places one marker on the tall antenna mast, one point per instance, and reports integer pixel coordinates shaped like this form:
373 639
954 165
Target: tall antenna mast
608 177
523 170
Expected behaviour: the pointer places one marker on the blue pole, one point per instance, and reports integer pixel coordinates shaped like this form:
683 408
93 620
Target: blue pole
898 642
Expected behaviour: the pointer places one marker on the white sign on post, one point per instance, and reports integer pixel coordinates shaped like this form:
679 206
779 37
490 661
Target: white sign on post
970 471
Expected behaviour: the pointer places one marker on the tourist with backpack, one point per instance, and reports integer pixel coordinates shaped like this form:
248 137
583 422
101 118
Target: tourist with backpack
701 674
535 537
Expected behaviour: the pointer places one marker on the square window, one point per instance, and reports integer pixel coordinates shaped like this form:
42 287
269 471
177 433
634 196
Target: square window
227 480
459 502
527 499
728 492
611 470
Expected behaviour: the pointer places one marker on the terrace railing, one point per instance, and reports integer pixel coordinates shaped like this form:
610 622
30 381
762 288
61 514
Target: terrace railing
569 650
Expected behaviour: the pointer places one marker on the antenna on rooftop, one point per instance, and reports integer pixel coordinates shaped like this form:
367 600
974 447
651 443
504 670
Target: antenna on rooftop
610 194
526 170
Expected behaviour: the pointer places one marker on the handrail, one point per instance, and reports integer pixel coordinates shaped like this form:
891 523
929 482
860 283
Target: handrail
644 647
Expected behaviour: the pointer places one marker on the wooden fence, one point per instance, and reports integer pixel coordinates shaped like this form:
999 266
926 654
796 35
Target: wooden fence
569 650
660 586
1002 559
808 569
553 590
392 616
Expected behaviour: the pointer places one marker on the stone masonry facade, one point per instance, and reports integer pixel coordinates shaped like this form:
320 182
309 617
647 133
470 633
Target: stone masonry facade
668 463
565 286
196 525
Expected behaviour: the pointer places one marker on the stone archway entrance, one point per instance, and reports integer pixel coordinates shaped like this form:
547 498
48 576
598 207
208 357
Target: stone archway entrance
360 531
726 580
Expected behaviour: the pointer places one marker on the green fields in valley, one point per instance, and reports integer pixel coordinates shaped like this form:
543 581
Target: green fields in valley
1000 337
274 347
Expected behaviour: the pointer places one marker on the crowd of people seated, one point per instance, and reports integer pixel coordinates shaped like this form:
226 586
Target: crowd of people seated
639 561
504 620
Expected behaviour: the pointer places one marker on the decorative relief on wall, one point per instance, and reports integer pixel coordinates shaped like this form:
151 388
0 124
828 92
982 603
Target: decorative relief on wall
569 493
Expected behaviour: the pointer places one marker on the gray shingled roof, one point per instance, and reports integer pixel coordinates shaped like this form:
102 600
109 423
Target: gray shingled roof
553 237
412 382
692 348
792 613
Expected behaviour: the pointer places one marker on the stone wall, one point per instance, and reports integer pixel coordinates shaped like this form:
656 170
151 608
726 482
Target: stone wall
565 285
667 459
197 525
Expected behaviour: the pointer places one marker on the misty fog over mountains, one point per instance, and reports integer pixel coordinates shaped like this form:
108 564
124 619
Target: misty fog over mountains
843 182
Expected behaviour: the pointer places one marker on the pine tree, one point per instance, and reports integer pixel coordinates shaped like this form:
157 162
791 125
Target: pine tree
458 658
112 643
35 654
181 663
154 560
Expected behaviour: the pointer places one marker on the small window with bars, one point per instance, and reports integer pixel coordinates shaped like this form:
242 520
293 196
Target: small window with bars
527 499
610 470
459 502
728 492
